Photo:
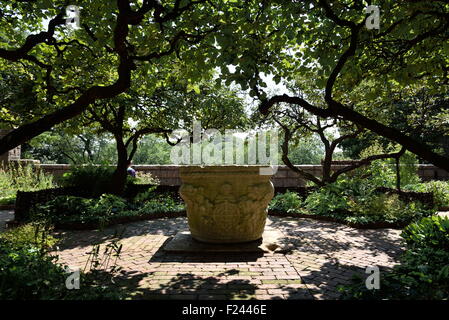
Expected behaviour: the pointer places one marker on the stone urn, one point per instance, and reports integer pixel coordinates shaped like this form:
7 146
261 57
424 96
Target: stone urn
226 204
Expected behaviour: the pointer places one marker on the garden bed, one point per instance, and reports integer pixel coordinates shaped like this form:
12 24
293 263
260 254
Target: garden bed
25 201
119 220
369 225
127 209
426 198
122 220
350 204
160 215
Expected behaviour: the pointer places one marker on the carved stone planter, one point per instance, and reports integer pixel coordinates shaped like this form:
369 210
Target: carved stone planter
226 204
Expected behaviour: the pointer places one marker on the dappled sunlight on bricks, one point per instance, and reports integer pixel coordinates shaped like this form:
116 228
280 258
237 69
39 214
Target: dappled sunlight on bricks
324 256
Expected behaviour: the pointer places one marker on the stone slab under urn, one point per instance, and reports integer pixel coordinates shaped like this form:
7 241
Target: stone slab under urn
226 204
183 242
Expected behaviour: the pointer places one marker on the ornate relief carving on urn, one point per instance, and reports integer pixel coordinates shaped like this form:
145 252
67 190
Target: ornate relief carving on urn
226 204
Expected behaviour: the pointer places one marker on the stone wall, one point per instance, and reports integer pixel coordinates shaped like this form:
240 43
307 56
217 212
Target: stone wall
11 155
168 175
430 172
55 169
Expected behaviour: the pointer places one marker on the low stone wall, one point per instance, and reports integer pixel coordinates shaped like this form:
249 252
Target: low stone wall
55 169
430 172
11 155
168 175
26 200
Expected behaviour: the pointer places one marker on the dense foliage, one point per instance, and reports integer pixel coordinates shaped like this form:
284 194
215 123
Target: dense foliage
104 210
59 146
96 180
23 178
289 202
362 76
28 272
356 199
439 189
351 203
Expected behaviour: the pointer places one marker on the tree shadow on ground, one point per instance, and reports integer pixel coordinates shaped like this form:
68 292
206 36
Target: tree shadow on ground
319 284
308 237
70 239
218 257
185 285
325 282
378 241
320 237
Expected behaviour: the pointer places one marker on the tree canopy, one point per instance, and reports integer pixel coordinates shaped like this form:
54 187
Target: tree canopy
357 72
72 69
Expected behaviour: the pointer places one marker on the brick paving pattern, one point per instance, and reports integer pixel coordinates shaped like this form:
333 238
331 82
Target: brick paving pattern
5 216
324 255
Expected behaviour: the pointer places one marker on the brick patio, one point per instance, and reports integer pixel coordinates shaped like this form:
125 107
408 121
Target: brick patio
324 256
5 216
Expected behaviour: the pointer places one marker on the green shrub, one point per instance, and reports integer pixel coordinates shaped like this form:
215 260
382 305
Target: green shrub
96 179
107 205
439 189
145 178
101 211
23 178
288 202
409 169
34 235
355 199
340 197
28 272
388 208
160 204
65 209
61 208
382 173
8 200
144 196
150 202
431 232
332 198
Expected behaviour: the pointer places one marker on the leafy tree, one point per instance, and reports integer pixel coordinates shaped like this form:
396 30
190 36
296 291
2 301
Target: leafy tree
416 112
18 99
72 69
355 69
129 117
307 150
60 146
295 122
152 150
